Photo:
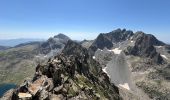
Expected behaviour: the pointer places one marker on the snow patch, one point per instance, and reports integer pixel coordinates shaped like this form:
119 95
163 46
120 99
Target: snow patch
116 50
94 57
131 37
125 85
104 70
24 95
131 41
164 56
99 49
45 56
158 46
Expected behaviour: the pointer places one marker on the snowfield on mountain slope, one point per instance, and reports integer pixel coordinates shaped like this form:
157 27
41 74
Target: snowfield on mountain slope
125 85
116 50
164 56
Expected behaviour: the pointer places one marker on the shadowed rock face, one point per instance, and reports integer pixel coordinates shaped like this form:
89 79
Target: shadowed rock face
109 39
74 48
71 75
144 46
103 41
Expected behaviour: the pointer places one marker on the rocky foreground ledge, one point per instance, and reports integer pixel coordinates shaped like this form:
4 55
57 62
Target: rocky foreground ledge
72 75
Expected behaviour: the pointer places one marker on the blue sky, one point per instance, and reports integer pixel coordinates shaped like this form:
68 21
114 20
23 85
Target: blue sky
81 19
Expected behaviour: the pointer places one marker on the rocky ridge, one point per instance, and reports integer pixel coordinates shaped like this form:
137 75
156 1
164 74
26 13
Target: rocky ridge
68 76
108 40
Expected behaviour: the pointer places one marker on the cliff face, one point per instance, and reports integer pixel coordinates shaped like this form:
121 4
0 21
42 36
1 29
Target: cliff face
144 46
109 39
71 75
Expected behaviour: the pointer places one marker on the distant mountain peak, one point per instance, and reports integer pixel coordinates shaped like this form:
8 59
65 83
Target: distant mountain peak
147 38
56 42
109 39
61 36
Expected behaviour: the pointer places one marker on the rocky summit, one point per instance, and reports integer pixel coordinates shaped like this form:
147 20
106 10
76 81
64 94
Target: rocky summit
71 75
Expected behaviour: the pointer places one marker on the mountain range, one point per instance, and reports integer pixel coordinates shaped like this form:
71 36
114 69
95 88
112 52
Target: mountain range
14 42
117 65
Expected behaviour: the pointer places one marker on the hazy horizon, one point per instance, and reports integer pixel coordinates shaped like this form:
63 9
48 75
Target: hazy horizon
80 19
75 38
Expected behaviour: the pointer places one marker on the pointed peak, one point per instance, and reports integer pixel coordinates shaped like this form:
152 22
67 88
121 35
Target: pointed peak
61 36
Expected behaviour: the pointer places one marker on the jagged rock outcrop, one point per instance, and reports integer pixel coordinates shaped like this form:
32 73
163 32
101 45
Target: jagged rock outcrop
109 39
71 75
119 35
